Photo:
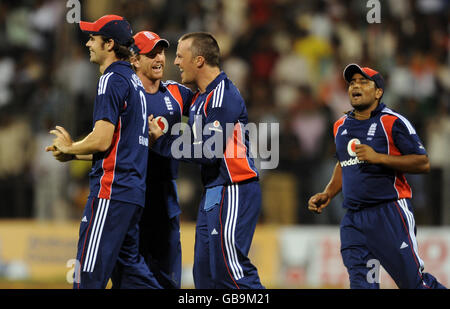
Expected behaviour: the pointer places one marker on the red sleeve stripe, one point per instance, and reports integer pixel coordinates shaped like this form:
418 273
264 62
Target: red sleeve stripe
387 121
176 94
109 166
195 98
208 98
235 157
338 124
400 184
405 121
217 94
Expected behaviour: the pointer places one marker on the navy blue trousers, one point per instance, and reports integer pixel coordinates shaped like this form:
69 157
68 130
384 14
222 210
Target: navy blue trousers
383 235
226 222
159 239
108 237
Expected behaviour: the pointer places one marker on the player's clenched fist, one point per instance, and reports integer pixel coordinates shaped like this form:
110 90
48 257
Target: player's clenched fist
318 202
154 130
366 153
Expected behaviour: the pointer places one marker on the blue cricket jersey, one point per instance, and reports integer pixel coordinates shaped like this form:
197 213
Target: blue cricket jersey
387 132
119 173
219 110
167 106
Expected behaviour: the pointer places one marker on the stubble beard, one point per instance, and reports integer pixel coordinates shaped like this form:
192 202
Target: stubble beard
364 106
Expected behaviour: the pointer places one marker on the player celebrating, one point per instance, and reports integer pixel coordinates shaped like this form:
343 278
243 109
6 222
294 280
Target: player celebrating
230 205
160 224
118 148
375 146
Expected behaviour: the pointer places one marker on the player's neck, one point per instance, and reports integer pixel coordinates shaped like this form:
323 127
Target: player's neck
107 62
366 113
206 77
150 85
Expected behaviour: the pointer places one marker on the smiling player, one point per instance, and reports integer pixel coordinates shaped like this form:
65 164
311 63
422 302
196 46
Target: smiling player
118 149
231 200
160 223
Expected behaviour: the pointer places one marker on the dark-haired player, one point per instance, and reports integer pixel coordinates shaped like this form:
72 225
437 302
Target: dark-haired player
375 147
118 149
231 203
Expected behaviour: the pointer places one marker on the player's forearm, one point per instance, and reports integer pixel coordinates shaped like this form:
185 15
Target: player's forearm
335 184
414 164
84 157
89 145
99 140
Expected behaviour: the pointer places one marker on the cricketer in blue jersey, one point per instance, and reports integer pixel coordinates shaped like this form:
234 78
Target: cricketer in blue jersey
375 146
118 149
160 223
231 202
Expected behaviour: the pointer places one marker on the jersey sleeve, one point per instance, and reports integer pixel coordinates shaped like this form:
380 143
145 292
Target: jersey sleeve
406 138
221 117
111 96
182 94
338 123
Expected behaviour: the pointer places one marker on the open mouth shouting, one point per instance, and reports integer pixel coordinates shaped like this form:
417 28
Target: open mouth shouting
356 95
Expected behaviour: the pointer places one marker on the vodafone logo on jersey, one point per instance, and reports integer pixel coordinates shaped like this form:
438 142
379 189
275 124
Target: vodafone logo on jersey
351 146
351 151
163 123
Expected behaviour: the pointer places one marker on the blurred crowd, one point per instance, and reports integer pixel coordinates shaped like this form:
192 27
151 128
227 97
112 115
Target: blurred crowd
285 56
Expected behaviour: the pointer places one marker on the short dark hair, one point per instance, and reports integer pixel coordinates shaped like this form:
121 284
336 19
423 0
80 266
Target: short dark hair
122 51
205 45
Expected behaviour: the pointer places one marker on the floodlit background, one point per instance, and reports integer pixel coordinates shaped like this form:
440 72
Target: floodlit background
287 58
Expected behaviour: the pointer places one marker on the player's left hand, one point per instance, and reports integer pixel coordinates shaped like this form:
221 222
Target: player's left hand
63 141
366 153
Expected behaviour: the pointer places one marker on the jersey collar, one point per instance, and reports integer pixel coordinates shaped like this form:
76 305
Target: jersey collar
115 64
215 82
162 86
377 110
